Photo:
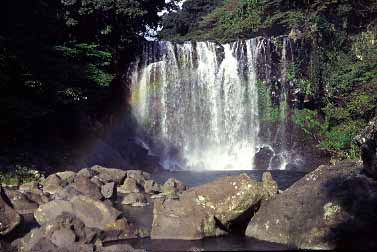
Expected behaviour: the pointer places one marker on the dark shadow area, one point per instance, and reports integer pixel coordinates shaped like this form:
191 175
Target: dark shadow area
239 225
357 197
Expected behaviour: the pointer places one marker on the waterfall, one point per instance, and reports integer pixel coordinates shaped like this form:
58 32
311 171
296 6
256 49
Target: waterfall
201 100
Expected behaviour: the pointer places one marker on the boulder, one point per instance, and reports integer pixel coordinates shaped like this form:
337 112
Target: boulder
110 175
64 233
32 190
33 187
130 185
172 186
139 176
87 172
93 213
108 190
9 218
263 158
277 162
39 198
121 229
51 210
152 187
87 187
53 184
332 207
67 176
201 210
269 185
367 141
96 180
67 193
21 203
63 237
135 200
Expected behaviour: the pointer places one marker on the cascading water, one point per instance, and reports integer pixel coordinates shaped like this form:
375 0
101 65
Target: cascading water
201 99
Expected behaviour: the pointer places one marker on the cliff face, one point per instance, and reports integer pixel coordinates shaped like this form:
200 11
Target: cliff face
333 74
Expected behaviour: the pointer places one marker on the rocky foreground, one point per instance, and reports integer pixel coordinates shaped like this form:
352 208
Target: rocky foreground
331 207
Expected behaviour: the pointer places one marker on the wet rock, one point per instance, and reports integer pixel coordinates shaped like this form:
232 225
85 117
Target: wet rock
87 172
87 187
96 180
201 210
172 186
269 185
63 237
51 210
108 190
9 218
135 200
277 162
93 213
38 198
33 187
130 185
139 176
67 193
152 187
263 158
67 176
53 184
65 233
21 203
34 192
121 229
110 175
367 141
332 207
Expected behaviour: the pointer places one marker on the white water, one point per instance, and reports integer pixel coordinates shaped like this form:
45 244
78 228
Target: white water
201 98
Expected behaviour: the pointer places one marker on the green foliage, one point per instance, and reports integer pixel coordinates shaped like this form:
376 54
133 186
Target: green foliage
308 120
19 176
268 113
339 139
58 60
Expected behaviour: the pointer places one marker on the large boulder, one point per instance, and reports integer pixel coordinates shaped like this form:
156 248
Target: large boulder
367 141
64 233
139 176
93 213
66 176
21 203
152 187
52 184
110 175
9 218
135 200
87 187
263 158
200 211
332 207
108 190
172 186
130 185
